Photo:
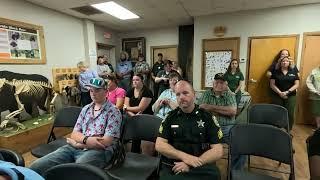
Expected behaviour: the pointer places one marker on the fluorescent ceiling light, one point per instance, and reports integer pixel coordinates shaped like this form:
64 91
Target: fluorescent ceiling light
115 10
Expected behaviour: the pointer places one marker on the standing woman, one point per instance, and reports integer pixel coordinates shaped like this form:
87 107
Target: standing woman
102 68
276 62
139 101
124 69
115 94
84 77
235 79
142 67
284 83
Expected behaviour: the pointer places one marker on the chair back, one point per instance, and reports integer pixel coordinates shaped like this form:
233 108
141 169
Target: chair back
67 116
11 156
142 127
261 140
75 171
271 114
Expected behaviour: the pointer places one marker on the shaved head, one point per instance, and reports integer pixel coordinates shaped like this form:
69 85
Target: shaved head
185 96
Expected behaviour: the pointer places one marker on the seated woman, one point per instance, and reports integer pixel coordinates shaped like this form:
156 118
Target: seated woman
115 94
138 101
167 100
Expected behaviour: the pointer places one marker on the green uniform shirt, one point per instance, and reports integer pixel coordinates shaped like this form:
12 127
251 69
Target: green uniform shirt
226 99
233 79
191 133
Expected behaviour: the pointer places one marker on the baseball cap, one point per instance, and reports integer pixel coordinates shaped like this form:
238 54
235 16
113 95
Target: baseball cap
98 83
219 76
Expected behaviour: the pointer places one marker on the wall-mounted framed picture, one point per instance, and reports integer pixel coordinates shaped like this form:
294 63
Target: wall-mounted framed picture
21 43
134 47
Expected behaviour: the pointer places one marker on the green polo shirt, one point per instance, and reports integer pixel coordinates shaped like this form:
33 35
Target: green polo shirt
233 79
227 98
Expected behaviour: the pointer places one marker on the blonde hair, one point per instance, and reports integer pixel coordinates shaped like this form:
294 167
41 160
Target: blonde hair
82 64
125 54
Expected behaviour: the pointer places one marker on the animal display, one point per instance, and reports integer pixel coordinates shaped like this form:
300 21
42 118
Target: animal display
28 92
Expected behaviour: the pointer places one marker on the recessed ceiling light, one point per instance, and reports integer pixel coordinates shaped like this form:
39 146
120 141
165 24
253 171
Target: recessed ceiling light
115 10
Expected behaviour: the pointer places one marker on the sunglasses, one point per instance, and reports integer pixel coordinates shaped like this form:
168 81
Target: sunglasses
96 82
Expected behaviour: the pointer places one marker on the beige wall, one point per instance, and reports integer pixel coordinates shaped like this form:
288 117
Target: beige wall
277 21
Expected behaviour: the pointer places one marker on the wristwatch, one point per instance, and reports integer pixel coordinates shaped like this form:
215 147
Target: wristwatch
84 141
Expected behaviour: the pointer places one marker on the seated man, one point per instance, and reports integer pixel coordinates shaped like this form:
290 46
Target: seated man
91 141
189 140
222 103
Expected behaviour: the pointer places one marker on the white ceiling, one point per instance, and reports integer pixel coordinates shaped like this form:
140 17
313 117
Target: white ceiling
163 13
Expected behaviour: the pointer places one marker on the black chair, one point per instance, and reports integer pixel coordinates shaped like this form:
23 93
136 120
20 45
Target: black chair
65 117
251 139
271 114
138 166
75 171
11 156
313 150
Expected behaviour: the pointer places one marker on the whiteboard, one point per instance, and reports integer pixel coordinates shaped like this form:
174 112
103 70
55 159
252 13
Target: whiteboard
216 62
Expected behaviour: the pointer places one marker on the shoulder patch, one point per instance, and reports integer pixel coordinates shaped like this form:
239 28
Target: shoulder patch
220 134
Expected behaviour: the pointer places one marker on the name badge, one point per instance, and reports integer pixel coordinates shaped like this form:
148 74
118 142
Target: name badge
174 126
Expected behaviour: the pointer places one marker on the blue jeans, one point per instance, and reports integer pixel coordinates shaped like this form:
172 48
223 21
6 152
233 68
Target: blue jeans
69 154
237 162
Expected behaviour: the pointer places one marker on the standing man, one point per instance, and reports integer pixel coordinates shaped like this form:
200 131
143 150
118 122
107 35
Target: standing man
162 78
221 102
158 66
91 141
189 140
84 77
313 84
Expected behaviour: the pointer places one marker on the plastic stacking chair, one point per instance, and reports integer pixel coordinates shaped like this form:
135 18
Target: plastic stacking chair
65 117
138 166
75 171
251 139
271 114
11 156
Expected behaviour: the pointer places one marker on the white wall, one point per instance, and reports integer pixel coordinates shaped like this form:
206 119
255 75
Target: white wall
114 40
277 21
63 36
158 37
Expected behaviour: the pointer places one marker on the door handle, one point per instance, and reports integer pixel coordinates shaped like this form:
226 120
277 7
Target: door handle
253 80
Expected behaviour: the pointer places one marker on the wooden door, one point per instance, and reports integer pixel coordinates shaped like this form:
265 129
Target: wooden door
310 59
262 50
169 52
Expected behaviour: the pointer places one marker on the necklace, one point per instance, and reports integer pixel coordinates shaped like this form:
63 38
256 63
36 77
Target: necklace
98 109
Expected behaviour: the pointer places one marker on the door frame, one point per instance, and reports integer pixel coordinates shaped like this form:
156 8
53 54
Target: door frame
203 56
152 48
263 37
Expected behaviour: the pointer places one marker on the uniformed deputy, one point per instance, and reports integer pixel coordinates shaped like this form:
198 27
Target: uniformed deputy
189 140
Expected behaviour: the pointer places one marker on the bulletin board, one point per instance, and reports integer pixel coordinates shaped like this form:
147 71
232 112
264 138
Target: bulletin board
21 43
215 62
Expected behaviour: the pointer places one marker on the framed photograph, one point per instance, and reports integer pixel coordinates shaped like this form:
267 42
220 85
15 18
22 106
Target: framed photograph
21 43
134 47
